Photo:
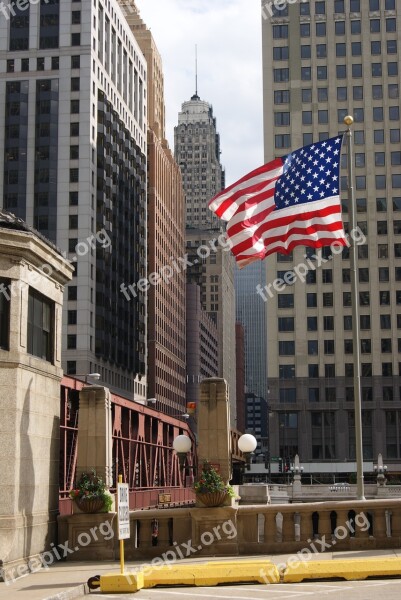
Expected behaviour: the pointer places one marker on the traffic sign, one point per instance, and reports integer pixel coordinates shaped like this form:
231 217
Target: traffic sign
274 459
123 511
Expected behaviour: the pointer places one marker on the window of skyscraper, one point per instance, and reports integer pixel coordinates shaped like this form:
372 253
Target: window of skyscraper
322 94
364 321
356 27
366 346
311 300
374 5
375 25
286 348
364 298
339 6
347 319
313 370
320 29
321 50
286 323
280 32
305 51
339 27
280 53
396 181
341 71
285 300
357 70
355 6
375 48
311 323
341 49
391 25
396 203
391 46
382 251
363 251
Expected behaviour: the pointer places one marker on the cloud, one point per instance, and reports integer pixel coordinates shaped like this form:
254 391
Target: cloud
228 36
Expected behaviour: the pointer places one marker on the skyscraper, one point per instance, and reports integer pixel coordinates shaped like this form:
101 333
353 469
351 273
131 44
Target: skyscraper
197 151
73 164
166 240
322 61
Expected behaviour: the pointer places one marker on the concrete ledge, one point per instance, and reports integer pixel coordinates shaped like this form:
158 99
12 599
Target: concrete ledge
354 569
71 594
208 574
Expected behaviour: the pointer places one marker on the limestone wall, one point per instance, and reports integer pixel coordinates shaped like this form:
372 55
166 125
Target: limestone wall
29 402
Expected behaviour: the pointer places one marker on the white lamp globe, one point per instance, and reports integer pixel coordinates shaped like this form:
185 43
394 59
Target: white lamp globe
182 444
247 443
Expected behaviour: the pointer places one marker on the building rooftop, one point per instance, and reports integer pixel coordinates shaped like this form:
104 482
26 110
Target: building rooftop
10 221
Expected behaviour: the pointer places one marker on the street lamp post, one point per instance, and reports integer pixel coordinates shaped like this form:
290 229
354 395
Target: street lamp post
381 470
182 445
247 444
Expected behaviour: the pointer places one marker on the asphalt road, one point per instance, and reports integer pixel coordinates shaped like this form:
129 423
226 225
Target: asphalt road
346 590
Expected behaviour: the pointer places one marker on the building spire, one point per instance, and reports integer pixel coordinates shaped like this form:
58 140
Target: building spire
195 96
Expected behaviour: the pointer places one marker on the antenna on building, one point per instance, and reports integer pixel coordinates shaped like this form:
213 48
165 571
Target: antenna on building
196 69
195 96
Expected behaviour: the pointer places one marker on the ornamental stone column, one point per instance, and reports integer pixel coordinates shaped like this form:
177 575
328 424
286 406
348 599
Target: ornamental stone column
214 435
95 433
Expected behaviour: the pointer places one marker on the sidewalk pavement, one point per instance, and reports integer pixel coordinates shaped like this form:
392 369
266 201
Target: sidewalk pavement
67 580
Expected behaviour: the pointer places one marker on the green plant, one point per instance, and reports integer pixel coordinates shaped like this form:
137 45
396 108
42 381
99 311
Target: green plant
92 487
210 481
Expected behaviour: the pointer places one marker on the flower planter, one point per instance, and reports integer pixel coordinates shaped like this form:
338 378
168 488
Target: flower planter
91 505
212 498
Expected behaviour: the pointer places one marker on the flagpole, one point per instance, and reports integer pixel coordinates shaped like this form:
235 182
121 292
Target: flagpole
355 314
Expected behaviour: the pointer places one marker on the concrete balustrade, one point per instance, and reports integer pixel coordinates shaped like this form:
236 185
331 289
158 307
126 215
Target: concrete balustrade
245 530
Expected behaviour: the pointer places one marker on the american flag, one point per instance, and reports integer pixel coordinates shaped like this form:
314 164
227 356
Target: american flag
293 200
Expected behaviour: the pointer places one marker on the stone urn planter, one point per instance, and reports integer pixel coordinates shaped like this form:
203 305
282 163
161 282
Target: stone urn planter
212 498
91 505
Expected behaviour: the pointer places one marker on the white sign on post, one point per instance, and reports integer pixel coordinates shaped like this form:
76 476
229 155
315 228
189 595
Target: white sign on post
123 511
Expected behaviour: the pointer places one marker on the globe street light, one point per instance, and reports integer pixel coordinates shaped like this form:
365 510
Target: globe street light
182 445
247 444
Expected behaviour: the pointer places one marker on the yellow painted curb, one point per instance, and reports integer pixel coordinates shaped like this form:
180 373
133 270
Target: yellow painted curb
351 569
206 574
121 582
213 573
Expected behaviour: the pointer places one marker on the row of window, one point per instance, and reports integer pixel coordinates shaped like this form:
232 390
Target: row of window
282 52
288 371
286 324
338 7
283 140
287 300
287 347
329 394
281 32
283 96
282 75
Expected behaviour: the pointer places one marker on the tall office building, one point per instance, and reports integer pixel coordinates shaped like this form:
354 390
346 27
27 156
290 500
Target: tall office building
73 165
322 61
166 240
212 269
251 312
197 151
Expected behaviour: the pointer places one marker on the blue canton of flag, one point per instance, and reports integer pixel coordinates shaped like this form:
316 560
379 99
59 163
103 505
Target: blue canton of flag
309 174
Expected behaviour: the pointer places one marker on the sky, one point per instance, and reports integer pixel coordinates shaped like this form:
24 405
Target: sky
228 36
